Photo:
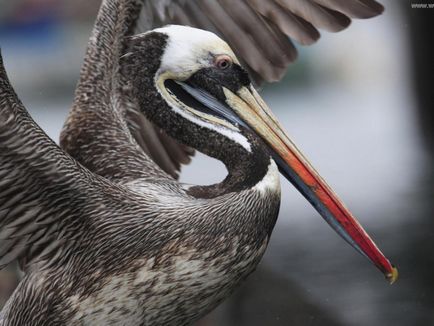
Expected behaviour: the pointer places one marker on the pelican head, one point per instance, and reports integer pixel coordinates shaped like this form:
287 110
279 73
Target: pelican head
190 83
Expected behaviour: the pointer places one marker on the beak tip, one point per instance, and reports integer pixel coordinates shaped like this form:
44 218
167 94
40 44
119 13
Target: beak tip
392 276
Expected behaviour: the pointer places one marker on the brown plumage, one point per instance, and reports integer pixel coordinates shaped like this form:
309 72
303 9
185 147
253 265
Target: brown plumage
105 233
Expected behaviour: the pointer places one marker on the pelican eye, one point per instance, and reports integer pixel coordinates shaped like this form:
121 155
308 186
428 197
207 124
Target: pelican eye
223 62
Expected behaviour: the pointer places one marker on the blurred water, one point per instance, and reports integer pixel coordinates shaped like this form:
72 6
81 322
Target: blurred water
355 122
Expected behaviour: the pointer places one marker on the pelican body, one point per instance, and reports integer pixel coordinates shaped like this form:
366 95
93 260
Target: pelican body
160 252
105 235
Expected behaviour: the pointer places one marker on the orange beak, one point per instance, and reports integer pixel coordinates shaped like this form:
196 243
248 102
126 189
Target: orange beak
250 107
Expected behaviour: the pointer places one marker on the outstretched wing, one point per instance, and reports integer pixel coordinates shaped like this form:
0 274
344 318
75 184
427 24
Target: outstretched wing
107 132
45 195
261 31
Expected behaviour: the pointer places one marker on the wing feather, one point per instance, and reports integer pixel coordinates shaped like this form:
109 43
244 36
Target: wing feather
288 23
355 8
319 16
259 42
38 183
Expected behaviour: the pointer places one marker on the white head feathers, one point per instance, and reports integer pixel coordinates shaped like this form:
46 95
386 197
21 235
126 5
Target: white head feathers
190 49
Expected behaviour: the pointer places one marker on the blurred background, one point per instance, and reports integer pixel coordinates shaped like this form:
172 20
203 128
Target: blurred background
359 104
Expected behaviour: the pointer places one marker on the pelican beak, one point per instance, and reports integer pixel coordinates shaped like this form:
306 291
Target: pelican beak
250 107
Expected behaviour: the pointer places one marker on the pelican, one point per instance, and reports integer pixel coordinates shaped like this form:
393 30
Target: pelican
104 232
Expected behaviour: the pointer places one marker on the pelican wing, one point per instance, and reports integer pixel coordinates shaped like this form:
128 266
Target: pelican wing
106 130
259 31
45 195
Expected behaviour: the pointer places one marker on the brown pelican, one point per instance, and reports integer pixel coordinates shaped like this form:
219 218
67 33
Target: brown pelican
104 232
